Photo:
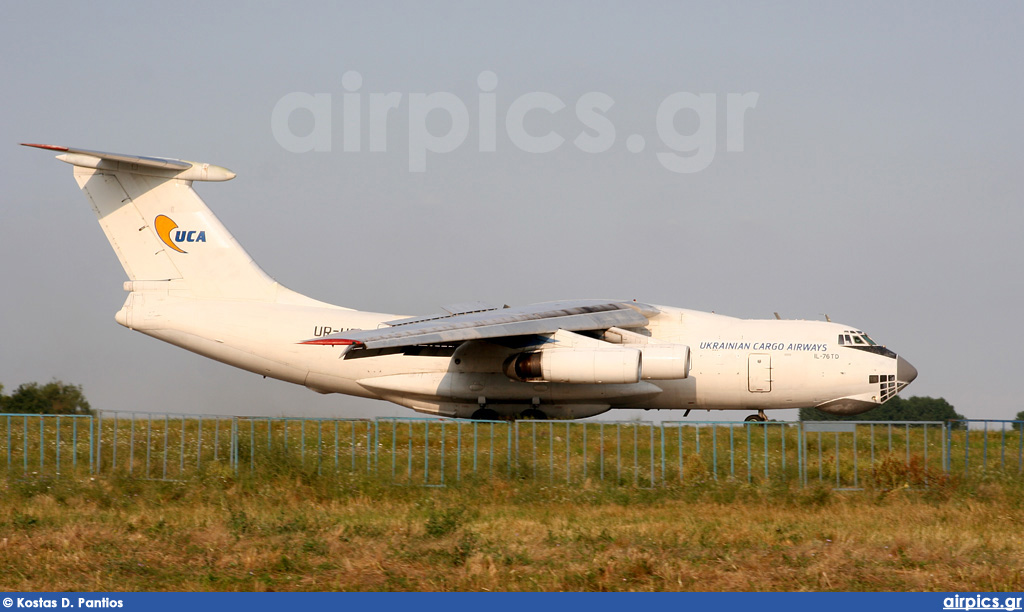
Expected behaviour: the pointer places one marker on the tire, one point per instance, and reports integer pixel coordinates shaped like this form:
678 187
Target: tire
485 414
533 414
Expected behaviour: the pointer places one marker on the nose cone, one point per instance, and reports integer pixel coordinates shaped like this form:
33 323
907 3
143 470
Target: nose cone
905 373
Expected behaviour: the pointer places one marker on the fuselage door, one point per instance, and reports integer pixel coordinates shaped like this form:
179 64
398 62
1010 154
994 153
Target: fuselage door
759 373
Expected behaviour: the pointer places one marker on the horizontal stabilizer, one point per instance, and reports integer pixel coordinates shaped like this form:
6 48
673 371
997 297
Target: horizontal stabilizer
138 164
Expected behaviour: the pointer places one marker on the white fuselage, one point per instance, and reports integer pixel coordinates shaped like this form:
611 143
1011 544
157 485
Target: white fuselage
736 364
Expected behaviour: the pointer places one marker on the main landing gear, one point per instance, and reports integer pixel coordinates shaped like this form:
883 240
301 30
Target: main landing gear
485 414
760 417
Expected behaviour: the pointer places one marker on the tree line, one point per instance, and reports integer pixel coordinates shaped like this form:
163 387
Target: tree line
897 409
54 397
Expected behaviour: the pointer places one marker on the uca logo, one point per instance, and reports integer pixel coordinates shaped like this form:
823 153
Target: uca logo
165 225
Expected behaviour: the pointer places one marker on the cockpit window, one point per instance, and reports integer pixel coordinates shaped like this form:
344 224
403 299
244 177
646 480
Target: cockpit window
861 341
855 337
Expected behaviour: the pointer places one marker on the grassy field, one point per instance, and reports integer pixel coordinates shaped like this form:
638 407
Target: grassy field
291 529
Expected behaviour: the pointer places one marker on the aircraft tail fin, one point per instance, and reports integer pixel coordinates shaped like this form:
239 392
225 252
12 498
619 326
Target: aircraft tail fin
161 229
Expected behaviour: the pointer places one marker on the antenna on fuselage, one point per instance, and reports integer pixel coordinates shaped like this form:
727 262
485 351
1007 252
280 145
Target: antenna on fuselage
777 316
826 317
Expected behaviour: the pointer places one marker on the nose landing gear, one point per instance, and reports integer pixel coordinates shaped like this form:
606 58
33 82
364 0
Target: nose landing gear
760 417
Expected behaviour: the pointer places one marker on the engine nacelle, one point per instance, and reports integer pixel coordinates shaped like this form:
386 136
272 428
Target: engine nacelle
577 365
665 361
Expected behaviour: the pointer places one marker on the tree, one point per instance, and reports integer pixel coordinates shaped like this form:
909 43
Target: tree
55 397
1020 416
897 409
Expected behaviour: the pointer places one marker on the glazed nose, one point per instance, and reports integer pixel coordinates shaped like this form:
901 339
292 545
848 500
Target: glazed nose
905 373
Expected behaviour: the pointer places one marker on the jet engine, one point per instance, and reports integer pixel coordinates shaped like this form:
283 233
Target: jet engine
577 365
665 361
602 365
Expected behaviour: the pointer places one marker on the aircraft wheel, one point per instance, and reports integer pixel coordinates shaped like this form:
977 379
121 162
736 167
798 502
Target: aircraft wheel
534 414
755 418
485 414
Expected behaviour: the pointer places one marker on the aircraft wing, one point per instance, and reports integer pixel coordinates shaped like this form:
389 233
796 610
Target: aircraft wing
545 318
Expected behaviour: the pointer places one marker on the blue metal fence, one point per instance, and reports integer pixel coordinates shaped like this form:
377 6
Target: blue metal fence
970 450
47 445
436 452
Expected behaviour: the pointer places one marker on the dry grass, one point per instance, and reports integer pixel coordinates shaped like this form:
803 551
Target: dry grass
302 532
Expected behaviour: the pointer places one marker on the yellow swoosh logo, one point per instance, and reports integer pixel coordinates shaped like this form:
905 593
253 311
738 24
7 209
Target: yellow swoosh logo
164 226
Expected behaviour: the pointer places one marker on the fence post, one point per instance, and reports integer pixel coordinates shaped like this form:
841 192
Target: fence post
618 453
568 437
837 460
1020 448
764 431
650 429
252 444
984 449
57 431
782 435
945 447
856 482
181 464
714 449
234 443
149 440
1002 448
533 425
679 434
167 427
800 454
663 479
551 451
925 442
99 442
199 444
747 426
967 445
42 443
636 454
113 460
92 465
584 452
131 447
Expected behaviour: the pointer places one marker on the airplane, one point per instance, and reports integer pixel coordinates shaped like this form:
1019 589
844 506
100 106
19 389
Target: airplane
192 285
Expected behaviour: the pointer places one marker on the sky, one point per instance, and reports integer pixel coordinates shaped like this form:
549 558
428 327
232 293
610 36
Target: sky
861 161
